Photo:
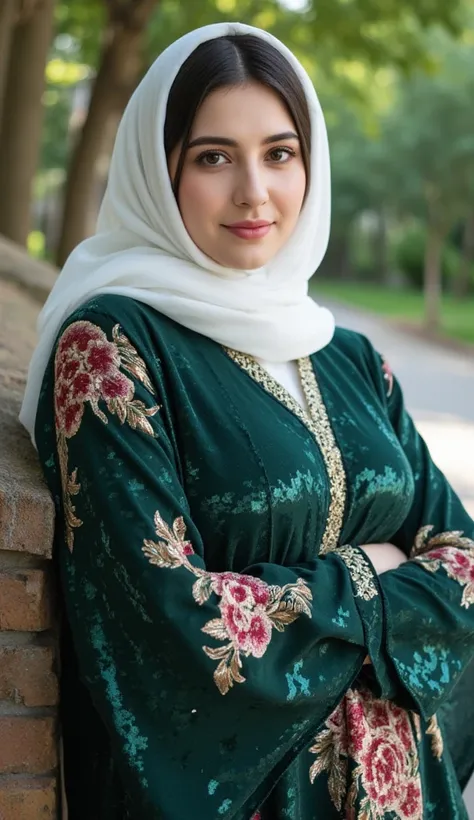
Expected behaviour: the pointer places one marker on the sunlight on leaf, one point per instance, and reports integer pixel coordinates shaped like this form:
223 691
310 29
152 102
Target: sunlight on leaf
265 19
60 72
226 6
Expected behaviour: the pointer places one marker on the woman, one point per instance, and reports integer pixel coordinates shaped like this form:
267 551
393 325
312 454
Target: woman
232 480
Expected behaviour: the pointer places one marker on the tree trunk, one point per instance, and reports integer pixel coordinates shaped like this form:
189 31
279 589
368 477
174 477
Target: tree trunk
462 282
381 249
337 260
432 279
22 118
118 73
7 23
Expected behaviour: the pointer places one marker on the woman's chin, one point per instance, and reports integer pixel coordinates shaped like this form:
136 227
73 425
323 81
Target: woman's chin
248 260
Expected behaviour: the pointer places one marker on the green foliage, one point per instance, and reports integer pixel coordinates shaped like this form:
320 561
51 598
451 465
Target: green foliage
429 138
64 71
401 141
36 244
337 29
408 254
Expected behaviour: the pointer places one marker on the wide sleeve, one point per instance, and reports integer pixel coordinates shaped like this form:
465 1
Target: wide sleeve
206 682
429 600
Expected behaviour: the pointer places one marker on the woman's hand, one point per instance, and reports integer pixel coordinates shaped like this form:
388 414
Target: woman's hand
384 556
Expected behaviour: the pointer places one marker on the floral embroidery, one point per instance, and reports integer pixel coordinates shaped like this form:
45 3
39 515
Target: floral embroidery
87 369
388 376
377 735
250 609
437 744
451 551
360 572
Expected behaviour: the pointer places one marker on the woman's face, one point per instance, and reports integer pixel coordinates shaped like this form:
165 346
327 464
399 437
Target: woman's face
243 180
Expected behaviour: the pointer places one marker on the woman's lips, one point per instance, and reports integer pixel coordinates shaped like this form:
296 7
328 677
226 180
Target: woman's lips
249 231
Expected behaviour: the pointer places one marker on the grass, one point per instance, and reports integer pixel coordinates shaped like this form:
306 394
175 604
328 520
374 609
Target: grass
402 305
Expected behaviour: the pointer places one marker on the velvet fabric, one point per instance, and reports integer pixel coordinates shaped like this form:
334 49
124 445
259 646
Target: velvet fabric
218 607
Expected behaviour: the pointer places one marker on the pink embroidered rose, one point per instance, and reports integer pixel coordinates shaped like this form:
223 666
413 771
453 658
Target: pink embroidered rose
241 589
378 737
250 630
384 776
87 369
458 563
357 729
412 802
386 752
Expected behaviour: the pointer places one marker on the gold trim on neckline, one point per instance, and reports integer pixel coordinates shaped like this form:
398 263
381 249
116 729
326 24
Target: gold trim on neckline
318 423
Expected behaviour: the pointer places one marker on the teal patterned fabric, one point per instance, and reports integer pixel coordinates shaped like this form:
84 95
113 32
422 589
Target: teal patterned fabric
218 610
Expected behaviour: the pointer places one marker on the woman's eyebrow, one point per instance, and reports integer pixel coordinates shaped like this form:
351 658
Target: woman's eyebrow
208 140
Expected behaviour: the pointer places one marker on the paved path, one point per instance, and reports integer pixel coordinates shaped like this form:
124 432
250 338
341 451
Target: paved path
438 386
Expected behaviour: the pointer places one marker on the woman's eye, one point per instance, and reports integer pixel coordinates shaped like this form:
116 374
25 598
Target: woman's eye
211 158
281 155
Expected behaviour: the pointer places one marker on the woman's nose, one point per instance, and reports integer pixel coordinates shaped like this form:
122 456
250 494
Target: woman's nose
251 188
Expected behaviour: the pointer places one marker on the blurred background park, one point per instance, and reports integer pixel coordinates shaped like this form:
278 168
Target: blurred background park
396 81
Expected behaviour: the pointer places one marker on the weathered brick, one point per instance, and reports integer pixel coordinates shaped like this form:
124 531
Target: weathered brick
25 600
27 675
28 745
28 798
26 512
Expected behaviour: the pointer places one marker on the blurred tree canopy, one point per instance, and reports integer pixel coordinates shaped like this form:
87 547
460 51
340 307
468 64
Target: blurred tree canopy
396 81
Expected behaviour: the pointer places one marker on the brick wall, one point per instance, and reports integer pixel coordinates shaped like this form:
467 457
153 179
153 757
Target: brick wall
28 640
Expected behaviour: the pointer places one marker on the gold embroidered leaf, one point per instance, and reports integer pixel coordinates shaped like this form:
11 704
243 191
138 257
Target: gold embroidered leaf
337 779
223 678
323 742
72 486
218 653
353 792
283 617
431 565
216 629
298 598
421 539
179 528
159 555
454 538
119 408
162 529
323 748
280 627
468 596
316 769
202 589
137 420
235 665
130 360
274 593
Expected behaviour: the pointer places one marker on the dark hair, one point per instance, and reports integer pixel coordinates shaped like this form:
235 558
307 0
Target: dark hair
225 61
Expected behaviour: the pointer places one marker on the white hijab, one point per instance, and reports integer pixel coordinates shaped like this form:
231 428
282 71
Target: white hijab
141 248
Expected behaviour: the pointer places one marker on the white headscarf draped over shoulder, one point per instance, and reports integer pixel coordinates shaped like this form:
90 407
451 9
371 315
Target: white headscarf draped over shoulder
141 248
